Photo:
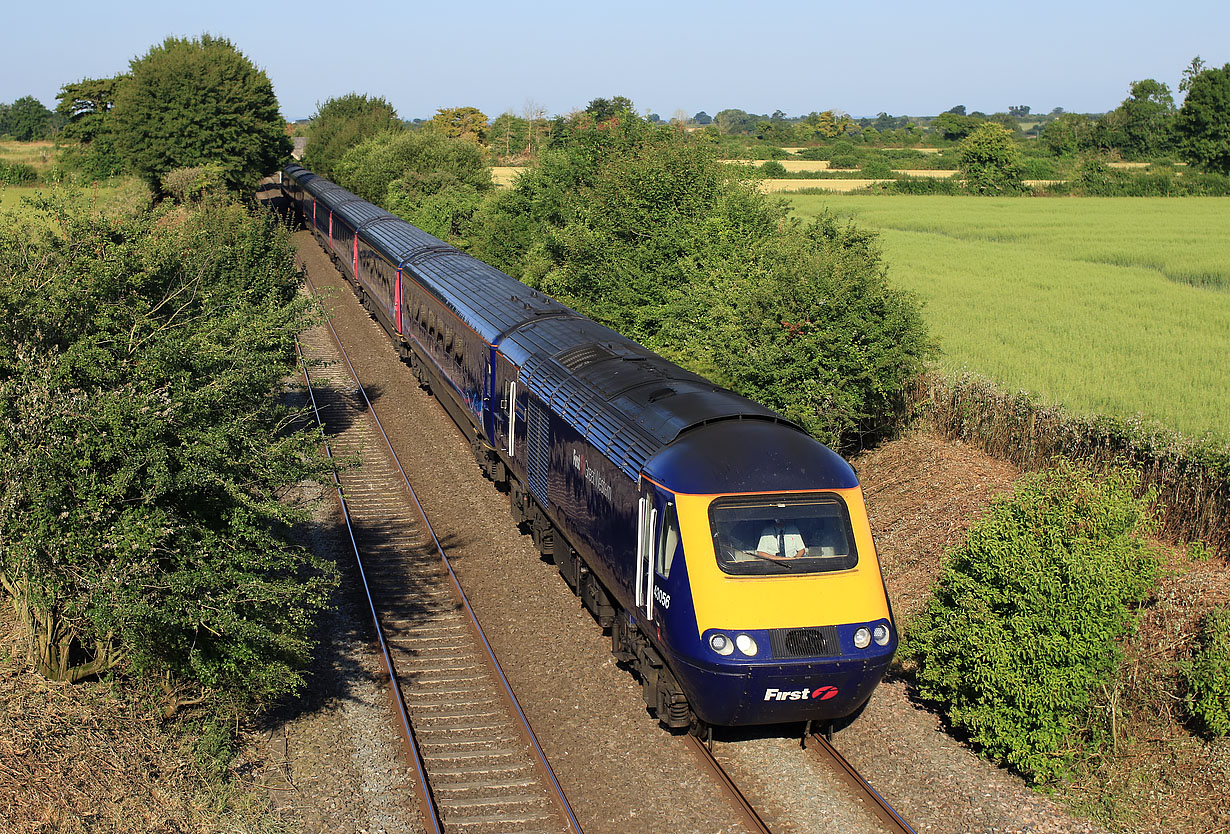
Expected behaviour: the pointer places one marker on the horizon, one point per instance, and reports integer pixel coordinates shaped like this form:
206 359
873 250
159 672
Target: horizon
896 58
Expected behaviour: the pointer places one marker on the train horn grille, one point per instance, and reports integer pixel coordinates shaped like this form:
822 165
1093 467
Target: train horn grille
805 642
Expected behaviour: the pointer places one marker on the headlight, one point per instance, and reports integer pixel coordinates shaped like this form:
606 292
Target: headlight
880 634
746 645
862 637
721 644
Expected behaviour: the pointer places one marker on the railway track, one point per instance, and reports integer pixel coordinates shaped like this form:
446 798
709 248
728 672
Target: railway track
478 766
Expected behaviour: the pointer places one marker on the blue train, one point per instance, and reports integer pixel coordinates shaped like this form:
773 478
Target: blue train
726 550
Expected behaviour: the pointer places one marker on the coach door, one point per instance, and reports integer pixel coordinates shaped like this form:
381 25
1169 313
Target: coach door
646 547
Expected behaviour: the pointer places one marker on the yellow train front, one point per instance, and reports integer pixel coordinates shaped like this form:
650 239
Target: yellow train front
765 596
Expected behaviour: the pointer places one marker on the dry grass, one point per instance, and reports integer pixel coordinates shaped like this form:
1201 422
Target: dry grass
794 166
775 186
91 758
40 155
505 175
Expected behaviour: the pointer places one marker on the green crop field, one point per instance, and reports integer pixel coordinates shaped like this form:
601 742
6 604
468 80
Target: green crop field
1117 306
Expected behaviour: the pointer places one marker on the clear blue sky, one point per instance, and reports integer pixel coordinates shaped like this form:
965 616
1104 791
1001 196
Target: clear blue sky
915 58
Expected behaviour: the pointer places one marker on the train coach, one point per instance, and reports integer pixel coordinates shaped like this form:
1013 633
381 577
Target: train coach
727 551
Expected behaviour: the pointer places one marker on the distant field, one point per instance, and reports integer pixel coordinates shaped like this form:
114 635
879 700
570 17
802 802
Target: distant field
1117 305
121 192
39 154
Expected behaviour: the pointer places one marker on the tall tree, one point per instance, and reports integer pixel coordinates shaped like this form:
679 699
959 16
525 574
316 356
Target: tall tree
85 104
194 102
468 123
1202 125
28 119
1143 125
342 123
990 161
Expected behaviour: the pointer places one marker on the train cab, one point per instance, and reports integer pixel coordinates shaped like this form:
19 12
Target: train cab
760 578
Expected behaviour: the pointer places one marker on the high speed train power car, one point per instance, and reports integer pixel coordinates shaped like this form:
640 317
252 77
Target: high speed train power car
727 551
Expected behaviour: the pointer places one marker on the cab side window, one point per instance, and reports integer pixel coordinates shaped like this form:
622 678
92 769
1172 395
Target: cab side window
668 541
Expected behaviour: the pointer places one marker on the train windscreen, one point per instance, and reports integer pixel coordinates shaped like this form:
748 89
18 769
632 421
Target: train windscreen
766 535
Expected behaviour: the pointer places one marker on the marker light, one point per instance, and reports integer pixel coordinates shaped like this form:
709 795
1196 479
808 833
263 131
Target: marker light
746 645
880 634
862 637
721 644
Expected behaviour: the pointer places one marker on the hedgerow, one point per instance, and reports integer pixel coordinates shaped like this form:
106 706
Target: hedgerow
144 450
1191 475
1207 675
1024 623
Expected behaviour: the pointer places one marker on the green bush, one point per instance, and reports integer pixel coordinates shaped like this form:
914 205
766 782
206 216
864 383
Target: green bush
17 173
877 168
1207 675
191 185
144 450
843 159
773 168
1023 625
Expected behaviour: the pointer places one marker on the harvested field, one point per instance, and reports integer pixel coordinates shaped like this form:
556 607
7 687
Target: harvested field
505 175
794 166
775 185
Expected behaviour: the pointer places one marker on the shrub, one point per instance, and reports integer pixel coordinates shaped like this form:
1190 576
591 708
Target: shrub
905 184
990 161
17 173
843 159
1023 624
877 168
191 185
773 168
1207 675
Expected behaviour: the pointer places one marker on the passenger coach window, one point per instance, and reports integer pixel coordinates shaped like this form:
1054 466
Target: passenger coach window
767 536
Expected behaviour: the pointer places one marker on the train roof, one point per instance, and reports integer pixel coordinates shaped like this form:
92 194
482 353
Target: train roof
626 400
358 212
748 456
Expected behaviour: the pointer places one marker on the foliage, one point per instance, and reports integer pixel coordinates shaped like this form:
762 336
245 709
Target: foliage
191 185
17 173
990 161
468 123
86 106
195 102
26 119
773 168
1202 125
1067 135
143 451
1143 125
642 229
1024 622
429 179
1207 675
877 167
955 126
340 124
